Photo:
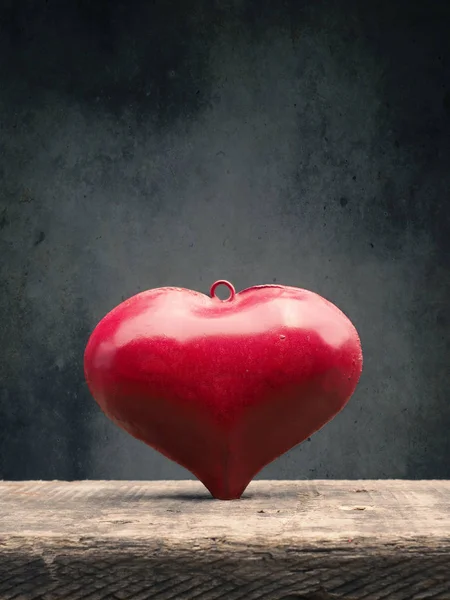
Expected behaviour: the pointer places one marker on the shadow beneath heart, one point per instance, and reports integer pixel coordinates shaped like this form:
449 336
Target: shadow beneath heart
182 497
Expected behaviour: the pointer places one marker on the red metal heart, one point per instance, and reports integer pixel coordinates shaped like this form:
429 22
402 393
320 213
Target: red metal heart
223 387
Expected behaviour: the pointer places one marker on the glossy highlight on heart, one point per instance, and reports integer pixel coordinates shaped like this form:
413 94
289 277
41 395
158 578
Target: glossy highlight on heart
223 387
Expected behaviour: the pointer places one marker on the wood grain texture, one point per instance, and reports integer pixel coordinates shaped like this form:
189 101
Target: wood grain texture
318 540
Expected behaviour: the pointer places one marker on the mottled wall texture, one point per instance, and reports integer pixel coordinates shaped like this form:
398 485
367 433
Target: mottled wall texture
152 143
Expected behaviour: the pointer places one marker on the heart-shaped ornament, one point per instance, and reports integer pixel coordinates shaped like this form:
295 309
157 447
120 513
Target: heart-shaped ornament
223 387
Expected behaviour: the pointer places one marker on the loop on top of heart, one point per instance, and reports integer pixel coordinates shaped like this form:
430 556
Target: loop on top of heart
228 285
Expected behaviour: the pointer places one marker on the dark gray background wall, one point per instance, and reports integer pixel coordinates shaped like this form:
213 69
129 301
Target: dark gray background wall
145 144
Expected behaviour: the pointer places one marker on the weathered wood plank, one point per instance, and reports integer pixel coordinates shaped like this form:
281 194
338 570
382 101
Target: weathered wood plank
134 540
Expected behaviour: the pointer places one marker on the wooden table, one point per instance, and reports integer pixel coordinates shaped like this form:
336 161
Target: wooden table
123 540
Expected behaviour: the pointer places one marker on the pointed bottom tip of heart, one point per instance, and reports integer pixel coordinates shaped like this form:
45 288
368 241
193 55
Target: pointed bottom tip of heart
224 493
